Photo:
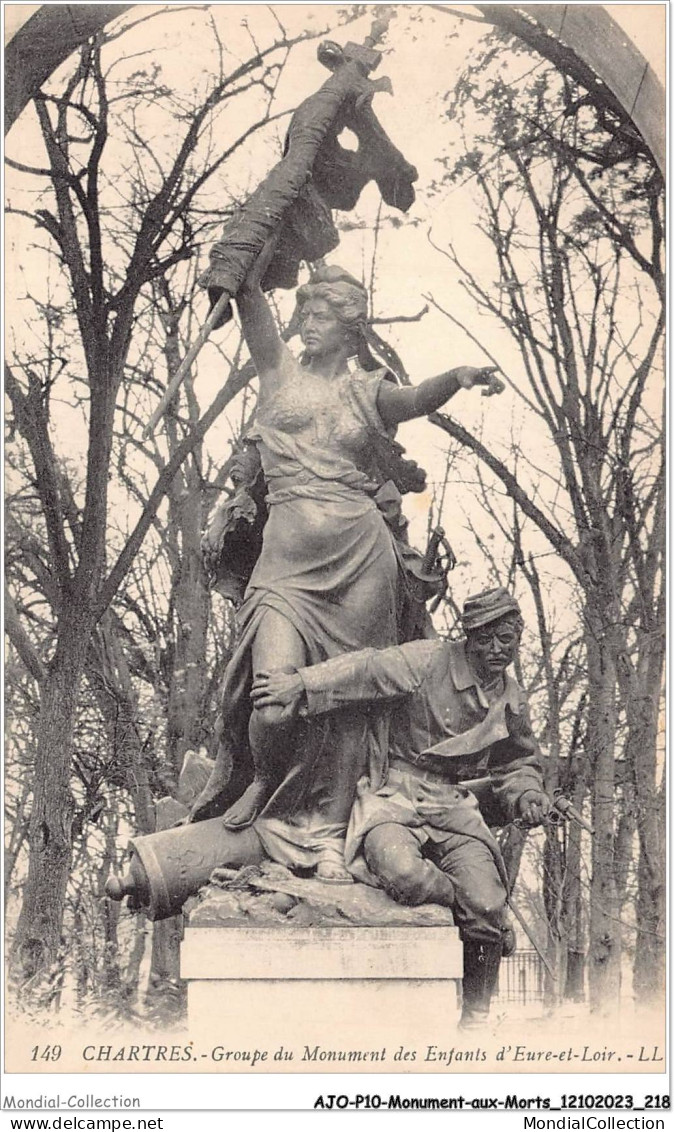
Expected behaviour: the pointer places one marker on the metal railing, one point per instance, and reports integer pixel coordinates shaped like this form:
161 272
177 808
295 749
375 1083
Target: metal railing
520 978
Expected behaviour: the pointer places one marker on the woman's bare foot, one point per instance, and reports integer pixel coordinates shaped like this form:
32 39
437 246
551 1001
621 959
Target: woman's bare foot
333 871
248 806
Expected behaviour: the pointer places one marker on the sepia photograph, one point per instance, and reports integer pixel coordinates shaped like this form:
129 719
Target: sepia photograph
335 530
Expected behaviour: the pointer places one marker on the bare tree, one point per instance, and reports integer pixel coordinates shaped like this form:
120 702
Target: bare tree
112 250
574 220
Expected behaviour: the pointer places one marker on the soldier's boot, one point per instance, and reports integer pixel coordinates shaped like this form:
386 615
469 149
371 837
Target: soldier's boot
480 974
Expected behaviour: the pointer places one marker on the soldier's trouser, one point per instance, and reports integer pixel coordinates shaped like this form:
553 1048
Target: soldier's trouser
458 871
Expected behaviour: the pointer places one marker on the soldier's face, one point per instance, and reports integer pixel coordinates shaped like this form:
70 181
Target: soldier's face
493 647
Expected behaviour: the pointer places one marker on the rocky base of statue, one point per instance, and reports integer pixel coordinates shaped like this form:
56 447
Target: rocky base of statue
270 895
245 906
276 962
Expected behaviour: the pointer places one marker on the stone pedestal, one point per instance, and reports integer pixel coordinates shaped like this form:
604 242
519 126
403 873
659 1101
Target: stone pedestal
290 973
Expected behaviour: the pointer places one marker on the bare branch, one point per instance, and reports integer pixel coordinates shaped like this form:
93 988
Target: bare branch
561 542
33 426
21 641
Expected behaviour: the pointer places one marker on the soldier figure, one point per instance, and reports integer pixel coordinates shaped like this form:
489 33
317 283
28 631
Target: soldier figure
457 715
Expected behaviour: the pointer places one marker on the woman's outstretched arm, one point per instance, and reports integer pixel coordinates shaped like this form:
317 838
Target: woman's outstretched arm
396 404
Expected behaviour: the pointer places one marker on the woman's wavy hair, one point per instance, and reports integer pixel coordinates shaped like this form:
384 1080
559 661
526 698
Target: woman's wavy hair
348 299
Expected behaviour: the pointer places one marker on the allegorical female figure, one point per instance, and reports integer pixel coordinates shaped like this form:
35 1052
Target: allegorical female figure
327 578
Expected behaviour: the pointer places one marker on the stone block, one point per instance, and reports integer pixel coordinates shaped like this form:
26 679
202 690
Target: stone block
260 978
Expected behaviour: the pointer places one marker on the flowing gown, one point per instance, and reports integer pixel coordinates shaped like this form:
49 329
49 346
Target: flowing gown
329 566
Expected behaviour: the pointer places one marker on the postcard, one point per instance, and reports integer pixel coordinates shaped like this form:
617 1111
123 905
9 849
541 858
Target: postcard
335 483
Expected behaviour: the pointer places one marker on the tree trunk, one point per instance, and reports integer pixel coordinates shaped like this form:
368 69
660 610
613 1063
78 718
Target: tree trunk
649 959
624 845
109 677
166 993
574 986
131 974
572 908
553 888
109 974
605 935
38 939
649 964
81 959
17 836
190 598
189 679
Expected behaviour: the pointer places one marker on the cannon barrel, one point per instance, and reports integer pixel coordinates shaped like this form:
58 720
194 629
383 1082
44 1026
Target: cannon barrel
171 865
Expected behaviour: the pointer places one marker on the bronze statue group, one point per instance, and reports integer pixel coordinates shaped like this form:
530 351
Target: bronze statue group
348 731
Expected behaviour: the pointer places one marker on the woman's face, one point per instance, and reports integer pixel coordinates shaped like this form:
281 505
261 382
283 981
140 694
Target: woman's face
321 331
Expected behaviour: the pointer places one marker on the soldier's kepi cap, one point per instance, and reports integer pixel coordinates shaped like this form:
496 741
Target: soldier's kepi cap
487 606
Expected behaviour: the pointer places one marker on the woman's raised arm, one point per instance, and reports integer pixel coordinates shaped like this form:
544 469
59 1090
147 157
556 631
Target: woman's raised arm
396 404
260 331
257 322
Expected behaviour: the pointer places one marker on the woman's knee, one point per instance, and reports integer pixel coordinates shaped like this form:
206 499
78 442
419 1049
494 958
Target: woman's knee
271 719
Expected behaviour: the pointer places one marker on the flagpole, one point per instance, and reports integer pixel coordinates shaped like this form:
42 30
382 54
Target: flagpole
183 369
